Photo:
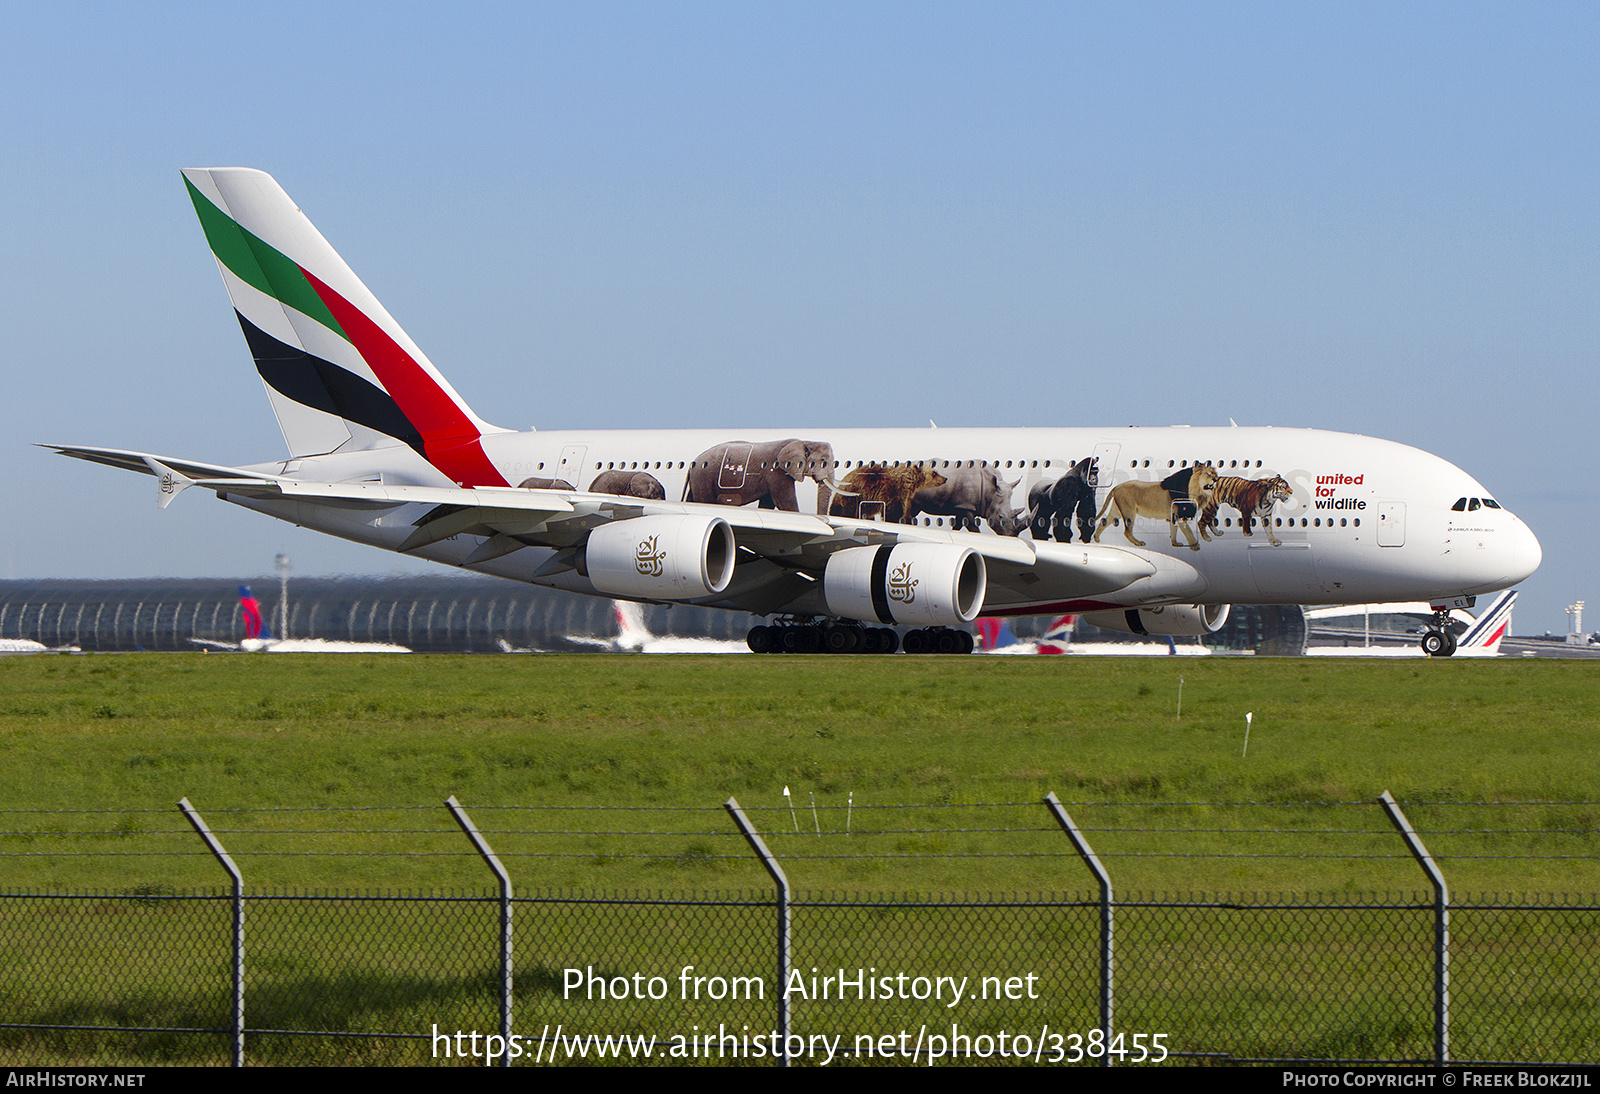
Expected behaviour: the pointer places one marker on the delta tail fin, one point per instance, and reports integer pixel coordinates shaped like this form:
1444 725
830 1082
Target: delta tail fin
339 371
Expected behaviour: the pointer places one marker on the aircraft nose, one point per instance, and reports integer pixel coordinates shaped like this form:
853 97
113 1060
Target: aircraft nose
1526 554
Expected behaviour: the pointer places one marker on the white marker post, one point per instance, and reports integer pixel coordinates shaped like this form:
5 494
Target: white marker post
1180 697
1247 718
792 817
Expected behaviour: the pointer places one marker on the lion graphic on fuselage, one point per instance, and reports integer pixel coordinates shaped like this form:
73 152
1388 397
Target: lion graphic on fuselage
1159 501
1254 498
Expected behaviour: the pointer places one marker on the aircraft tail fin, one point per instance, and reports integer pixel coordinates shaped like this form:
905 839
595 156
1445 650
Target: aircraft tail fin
339 371
631 631
1489 628
1058 637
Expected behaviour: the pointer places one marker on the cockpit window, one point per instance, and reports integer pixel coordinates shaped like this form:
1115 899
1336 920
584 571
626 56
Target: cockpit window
1491 503
1460 506
1473 505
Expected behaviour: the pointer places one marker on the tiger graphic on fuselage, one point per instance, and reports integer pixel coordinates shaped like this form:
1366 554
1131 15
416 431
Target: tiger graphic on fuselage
1254 498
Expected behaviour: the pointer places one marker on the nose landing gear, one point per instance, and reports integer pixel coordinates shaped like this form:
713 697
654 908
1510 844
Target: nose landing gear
1439 640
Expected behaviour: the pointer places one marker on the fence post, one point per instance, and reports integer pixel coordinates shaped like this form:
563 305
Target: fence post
216 849
780 880
1107 961
1441 927
482 845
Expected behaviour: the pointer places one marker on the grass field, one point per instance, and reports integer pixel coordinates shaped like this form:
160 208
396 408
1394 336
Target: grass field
136 732
602 774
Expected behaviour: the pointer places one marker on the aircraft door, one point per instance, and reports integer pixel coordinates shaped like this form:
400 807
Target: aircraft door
1391 524
735 466
571 465
1102 469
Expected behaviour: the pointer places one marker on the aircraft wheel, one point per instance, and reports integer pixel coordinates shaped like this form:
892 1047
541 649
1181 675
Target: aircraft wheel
836 639
1436 644
793 640
760 639
948 641
968 643
1449 644
888 641
810 639
870 642
914 642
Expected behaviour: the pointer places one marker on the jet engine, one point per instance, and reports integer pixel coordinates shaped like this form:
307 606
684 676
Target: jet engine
915 584
1173 619
661 558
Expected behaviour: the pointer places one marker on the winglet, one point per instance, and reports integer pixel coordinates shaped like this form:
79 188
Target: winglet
169 483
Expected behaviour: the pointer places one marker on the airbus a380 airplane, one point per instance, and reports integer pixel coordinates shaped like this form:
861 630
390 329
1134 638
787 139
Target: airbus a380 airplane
837 532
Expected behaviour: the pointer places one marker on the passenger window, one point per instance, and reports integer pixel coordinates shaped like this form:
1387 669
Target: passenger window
1460 506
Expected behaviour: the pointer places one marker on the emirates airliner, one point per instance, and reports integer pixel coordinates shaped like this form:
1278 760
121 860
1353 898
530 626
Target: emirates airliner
837 535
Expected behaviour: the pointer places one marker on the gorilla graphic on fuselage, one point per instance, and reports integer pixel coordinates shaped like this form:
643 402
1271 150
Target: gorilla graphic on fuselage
1052 506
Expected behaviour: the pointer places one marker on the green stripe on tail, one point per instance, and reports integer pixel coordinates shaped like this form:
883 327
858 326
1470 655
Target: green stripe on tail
258 264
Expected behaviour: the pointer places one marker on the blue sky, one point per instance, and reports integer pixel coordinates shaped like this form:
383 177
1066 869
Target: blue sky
1374 218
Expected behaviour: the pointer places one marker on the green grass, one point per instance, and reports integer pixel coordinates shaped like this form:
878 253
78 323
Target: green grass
137 732
329 773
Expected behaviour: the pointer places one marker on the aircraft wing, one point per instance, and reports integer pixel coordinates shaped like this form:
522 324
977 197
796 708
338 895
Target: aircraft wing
782 552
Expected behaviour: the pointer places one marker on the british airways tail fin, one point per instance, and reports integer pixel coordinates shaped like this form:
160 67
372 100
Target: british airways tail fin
1490 627
339 371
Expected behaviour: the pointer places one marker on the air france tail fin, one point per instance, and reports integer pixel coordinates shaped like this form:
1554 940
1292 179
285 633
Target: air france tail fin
339 371
1490 627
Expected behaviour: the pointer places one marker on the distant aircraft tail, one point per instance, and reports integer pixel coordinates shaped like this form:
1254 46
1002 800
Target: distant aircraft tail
1490 627
632 634
339 371
250 608
994 633
1058 637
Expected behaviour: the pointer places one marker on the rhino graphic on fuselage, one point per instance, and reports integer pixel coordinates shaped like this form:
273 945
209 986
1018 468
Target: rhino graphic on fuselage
970 493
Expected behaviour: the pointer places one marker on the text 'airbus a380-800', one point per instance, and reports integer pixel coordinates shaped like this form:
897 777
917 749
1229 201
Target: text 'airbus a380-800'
840 534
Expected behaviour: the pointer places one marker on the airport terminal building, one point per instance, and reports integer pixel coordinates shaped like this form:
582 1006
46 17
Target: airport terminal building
444 614
433 614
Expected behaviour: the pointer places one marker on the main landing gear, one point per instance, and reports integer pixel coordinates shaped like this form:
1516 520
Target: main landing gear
1439 640
797 637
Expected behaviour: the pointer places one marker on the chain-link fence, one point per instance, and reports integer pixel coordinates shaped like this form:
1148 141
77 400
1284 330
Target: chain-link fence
155 974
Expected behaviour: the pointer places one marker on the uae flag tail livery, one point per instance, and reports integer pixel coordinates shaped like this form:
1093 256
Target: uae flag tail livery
340 373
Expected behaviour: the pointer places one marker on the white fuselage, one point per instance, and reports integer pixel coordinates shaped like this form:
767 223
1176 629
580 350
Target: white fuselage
1365 519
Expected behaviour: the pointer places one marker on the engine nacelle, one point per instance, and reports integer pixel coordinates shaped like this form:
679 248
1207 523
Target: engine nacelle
915 584
1174 619
661 558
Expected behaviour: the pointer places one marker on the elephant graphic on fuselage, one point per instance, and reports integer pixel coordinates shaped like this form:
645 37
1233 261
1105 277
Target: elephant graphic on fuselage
741 472
629 484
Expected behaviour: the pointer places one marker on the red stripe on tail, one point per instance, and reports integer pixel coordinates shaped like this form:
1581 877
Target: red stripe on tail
449 438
